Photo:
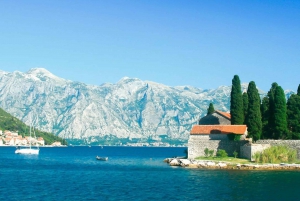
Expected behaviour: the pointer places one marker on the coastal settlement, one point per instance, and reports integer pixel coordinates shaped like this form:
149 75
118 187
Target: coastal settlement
9 138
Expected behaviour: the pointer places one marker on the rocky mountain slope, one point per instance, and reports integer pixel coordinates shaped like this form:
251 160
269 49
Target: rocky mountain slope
131 111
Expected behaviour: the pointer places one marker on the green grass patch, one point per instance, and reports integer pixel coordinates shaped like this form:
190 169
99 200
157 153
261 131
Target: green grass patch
225 159
276 154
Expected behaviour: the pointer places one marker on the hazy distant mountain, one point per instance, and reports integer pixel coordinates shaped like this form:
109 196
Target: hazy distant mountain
130 111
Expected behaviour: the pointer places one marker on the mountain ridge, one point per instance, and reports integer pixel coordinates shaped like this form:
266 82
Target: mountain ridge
130 111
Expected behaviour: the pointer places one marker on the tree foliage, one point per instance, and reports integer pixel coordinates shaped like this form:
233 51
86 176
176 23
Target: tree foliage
221 153
210 109
253 118
280 117
271 120
236 102
245 105
264 109
234 137
293 116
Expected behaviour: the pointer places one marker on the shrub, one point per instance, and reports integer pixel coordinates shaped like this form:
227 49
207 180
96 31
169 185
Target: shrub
235 153
206 152
234 137
276 154
211 153
222 153
256 157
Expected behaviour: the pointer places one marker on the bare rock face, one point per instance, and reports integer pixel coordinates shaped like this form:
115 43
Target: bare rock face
222 165
133 110
185 162
188 163
174 162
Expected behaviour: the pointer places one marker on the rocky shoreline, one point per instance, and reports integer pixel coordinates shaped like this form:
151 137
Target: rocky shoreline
207 164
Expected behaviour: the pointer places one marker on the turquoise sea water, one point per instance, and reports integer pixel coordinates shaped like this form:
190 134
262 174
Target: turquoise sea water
132 173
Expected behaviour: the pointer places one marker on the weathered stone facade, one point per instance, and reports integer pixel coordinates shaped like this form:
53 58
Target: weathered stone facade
215 118
212 133
248 150
197 144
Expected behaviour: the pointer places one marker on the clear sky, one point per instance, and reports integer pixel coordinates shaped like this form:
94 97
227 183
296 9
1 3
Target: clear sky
197 43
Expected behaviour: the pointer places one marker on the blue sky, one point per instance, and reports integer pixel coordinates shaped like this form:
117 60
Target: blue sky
197 43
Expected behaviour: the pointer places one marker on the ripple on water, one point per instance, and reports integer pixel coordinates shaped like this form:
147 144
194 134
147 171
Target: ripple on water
136 174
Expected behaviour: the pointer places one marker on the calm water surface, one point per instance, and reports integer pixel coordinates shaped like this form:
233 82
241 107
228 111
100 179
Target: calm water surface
132 173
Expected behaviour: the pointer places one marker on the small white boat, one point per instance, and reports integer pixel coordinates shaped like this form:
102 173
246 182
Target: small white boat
28 150
101 158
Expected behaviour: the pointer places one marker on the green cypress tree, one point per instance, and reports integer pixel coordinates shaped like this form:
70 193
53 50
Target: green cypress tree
253 118
210 109
245 105
298 90
271 120
293 116
264 110
236 102
280 114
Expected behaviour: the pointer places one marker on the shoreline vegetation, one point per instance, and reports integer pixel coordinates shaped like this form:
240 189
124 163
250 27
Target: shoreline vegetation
226 164
14 125
273 158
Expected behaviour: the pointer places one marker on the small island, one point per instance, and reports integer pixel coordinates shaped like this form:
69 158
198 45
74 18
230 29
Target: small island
274 158
257 133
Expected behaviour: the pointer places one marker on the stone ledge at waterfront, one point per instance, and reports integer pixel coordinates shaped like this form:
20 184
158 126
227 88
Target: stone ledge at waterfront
206 164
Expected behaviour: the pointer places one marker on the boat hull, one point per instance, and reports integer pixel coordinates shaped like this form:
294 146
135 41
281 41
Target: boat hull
27 151
101 158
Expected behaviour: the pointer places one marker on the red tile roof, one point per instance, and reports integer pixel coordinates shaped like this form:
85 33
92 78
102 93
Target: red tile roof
225 114
219 129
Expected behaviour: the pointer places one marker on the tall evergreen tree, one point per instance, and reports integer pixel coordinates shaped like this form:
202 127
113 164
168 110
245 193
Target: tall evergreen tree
271 120
264 109
293 116
210 109
298 90
280 115
245 105
236 102
253 118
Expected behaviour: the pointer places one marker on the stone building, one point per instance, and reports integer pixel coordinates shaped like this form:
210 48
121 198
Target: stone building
216 118
212 133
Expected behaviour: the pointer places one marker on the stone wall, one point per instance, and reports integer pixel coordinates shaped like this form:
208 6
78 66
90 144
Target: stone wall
197 144
248 150
294 144
210 136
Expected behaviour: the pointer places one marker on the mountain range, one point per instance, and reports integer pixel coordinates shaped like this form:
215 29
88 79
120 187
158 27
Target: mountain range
129 112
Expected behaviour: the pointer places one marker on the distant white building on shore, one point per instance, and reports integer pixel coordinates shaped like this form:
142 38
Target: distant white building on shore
56 144
14 139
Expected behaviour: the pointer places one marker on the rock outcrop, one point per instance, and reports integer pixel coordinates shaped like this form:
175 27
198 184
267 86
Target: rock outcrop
206 164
